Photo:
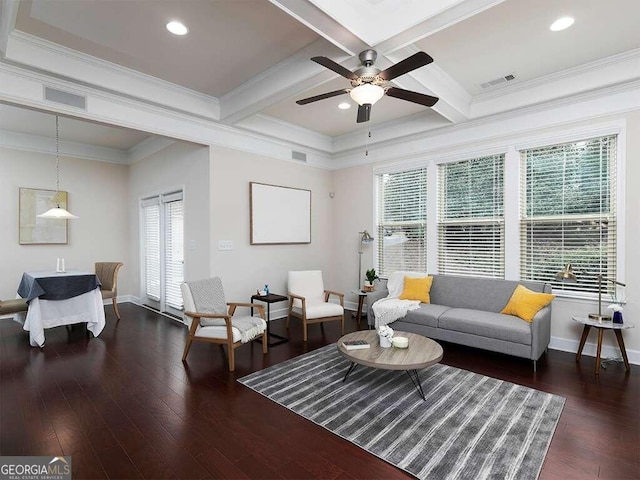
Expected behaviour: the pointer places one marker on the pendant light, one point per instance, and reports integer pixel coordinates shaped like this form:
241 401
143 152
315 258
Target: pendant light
57 212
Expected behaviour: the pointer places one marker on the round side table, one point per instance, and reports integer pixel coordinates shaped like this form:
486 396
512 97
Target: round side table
602 326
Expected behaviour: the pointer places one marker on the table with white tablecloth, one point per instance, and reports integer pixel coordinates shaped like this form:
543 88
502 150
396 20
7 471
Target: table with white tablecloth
61 298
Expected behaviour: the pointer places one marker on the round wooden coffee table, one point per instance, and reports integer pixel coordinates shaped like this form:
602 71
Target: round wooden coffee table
421 353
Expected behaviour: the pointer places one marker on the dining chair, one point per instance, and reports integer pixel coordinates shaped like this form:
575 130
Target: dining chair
107 273
9 307
212 319
309 301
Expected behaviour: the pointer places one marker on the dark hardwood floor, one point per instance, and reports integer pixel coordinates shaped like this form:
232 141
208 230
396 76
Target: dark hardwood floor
125 406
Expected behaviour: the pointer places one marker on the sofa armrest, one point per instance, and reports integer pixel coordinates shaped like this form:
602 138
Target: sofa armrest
540 332
372 298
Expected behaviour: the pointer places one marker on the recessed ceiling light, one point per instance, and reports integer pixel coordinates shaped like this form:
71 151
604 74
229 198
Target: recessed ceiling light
561 24
344 106
177 28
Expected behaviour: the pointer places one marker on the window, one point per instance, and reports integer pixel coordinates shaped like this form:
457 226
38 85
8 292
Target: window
401 221
471 217
568 212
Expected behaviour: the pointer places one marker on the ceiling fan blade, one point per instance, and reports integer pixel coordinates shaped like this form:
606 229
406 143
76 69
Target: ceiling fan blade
364 113
416 60
336 67
335 93
409 96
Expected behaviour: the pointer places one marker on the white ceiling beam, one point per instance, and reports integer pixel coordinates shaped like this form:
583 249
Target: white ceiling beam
8 15
458 12
292 76
324 25
454 101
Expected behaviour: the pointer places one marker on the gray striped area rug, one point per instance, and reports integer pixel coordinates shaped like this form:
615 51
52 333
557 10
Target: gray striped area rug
469 427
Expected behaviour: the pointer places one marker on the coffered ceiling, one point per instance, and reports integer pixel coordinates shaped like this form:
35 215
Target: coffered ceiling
250 59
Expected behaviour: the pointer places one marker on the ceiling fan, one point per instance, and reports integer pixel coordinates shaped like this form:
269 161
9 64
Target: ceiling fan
368 82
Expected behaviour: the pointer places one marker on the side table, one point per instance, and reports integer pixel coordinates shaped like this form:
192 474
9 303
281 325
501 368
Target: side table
361 296
269 299
602 326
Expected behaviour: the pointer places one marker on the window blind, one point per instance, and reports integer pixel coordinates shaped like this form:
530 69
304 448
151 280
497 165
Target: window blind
151 219
174 256
401 221
471 217
568 212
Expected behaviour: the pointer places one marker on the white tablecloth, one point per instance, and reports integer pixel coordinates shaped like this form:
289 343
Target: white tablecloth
43 314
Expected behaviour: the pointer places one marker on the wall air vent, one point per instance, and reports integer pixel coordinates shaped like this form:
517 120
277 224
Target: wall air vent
65 98
498 81
299 156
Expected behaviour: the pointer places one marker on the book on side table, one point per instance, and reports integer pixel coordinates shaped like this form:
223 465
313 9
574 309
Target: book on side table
355 344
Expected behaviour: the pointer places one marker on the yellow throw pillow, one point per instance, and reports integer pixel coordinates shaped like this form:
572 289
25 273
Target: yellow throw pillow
525 304
417 289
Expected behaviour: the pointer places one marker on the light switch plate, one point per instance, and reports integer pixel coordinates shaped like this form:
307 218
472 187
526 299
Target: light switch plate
225 244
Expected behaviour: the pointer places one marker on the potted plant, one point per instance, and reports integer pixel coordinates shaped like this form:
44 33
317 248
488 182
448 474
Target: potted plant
371 277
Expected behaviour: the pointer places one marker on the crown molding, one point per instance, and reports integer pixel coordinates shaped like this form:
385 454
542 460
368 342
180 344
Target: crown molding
148 147
617 99
8 15
282 130
47 145
628 59
28 50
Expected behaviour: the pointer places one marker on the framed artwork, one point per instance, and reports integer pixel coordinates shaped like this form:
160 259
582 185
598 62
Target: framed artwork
39 231
279 215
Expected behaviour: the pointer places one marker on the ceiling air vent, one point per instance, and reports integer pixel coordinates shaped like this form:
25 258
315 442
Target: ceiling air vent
66 98
299 156
498 81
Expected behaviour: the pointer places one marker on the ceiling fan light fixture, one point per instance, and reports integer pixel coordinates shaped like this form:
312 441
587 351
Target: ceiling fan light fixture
367 94
561 24
177 28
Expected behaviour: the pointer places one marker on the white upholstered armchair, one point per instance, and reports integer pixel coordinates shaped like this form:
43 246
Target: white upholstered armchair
211 319
309 301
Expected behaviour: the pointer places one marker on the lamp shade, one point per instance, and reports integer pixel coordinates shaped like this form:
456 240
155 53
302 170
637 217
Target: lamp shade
367 94
566 274
57 212
366 237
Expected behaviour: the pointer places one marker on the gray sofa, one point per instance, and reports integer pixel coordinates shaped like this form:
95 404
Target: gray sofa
466 310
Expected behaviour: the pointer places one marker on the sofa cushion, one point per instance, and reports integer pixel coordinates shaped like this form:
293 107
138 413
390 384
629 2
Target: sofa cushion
417 289
486 324
426 314
525 304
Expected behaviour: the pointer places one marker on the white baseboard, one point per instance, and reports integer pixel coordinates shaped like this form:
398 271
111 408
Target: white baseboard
557 343
571 346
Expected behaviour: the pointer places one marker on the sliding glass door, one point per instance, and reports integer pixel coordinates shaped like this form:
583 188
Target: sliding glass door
162 255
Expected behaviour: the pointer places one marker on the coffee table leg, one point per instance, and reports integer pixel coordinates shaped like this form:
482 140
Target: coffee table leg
351 369
413 375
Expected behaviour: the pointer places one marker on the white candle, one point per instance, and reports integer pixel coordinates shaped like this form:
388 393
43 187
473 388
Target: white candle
58 264
63 269
400 342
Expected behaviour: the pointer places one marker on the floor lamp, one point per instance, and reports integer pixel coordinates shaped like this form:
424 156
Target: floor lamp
567 274
365 237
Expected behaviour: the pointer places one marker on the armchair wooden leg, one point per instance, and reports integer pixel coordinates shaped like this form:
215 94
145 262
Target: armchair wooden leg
186 348
265 341
232 357
342 325
288 318
115 308
304 329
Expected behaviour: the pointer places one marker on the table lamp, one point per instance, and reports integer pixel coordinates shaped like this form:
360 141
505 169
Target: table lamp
567 275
